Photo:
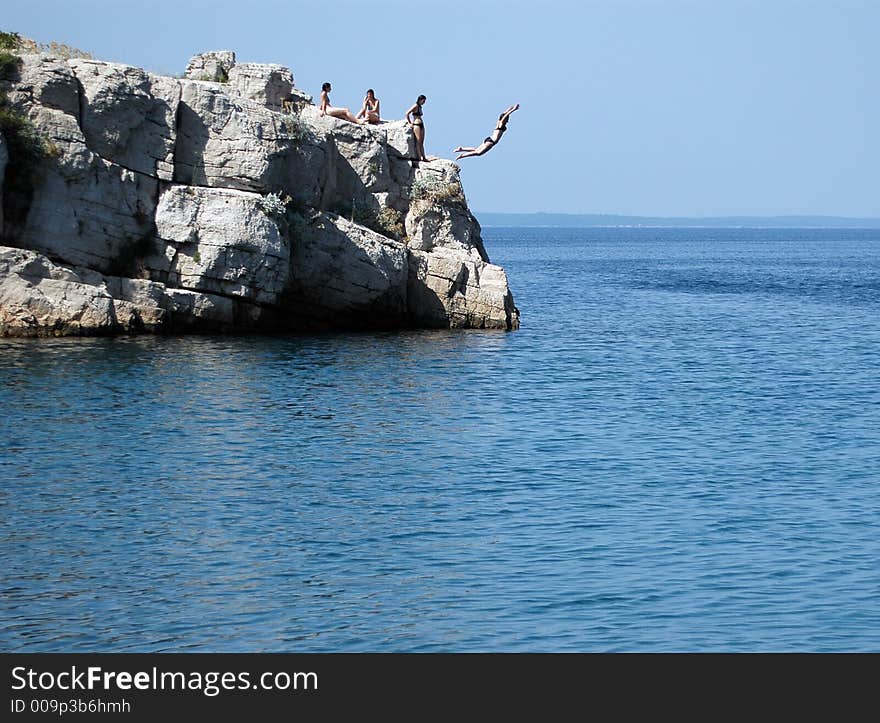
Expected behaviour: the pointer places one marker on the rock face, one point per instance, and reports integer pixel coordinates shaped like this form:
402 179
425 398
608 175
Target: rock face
221 241
267 84
4 157
81 209
226 141
39 298
222 201
344 273
128 116
210 66
444 290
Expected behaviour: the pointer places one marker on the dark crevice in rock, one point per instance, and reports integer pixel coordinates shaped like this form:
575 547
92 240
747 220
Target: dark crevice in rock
81 114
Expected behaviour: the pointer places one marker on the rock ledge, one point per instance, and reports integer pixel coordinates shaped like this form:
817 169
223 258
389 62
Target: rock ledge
222 201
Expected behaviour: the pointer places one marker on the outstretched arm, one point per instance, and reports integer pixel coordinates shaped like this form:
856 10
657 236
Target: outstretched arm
508 112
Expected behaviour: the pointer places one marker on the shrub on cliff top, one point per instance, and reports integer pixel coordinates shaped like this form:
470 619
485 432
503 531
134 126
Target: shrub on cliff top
9 64
14 41
9 61
9 41
437 190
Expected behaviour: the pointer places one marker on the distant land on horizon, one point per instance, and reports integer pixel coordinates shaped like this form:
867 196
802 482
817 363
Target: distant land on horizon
577 220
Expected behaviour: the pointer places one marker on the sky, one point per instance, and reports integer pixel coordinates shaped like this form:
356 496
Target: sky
636 107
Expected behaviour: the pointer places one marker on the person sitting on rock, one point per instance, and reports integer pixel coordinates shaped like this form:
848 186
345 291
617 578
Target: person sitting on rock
326 109
370 109
491 140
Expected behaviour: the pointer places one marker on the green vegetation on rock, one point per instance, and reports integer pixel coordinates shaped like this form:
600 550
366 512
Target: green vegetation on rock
26 147
437 191
385 221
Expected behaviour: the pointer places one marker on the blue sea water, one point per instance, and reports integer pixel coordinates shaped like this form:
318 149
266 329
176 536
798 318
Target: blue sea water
679 450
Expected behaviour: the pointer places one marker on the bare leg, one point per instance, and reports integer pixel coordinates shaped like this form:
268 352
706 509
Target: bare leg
342 114
467 151
419 133
478 151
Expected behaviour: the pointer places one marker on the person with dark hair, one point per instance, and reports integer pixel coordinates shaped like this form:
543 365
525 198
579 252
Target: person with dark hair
326 109
370 109
418 126
491 140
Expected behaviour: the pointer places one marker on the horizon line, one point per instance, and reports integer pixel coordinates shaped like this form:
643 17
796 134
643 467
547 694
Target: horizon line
681 216
546 219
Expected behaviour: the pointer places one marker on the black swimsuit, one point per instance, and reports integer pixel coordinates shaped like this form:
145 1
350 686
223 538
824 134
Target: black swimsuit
417 114
500 129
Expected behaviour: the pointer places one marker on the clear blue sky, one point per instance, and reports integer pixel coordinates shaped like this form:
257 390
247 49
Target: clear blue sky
630 106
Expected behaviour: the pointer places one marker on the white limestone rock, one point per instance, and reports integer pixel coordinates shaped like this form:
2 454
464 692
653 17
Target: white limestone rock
450 289
140 292
264 83
46 81
297 101
402 172
4 158
83 210
430 224
221 241
438 214
48 93
451 282
363 150
40 298
400 139
214 65
394 199
97 219
347 275
200 311
128 115
361 167
230 142
400 145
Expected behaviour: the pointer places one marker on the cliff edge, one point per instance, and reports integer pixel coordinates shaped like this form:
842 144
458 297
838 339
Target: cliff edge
221 201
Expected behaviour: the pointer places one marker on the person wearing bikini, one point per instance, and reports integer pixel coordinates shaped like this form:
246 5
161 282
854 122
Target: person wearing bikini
370 109
491 140
326 109
418 126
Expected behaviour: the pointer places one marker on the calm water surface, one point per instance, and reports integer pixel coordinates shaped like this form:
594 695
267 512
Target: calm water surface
679 450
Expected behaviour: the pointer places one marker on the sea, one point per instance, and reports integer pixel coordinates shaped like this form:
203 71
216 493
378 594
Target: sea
679 450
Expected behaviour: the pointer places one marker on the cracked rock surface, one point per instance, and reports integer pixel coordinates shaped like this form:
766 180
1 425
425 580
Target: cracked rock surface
223 201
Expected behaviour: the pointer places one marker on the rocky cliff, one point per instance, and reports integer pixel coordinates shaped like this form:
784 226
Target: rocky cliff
222 201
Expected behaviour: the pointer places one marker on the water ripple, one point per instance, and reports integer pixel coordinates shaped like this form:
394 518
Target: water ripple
678 451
